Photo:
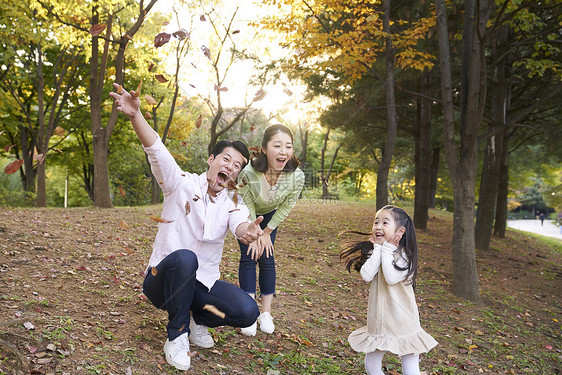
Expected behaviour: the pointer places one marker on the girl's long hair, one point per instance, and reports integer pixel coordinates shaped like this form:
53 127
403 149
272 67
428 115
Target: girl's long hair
355 253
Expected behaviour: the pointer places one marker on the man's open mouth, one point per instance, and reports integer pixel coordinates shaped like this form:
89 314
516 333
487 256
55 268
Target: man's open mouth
222 178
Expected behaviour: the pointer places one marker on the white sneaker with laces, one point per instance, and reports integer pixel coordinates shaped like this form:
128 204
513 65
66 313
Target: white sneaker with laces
199 335
251 330
266 322
177 352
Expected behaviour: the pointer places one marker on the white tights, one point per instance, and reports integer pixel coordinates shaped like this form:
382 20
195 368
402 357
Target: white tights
373 363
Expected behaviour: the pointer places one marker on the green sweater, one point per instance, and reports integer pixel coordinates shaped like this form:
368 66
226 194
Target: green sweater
261 198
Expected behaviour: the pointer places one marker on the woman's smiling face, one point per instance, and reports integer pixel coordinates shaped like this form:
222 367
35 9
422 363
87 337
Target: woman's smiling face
279 151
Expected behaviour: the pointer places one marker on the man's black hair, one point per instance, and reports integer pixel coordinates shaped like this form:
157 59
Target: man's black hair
237 145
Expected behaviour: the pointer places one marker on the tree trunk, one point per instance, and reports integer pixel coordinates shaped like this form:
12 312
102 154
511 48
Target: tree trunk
386 160
102 197
423 154
304 144
462 161
465 275
503 184
435 154
492 159
98 68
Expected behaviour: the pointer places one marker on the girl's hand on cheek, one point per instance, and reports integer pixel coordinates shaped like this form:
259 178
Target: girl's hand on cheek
395 240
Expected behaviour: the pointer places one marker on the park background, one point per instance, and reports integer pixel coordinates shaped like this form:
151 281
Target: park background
450 109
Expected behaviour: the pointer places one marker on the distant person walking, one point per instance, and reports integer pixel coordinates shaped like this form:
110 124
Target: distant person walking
542 218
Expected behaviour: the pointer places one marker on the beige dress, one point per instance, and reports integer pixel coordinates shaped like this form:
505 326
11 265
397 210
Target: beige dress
393 322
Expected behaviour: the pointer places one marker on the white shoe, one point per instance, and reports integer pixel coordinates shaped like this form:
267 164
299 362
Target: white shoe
177 352
266 322
199 335
251 330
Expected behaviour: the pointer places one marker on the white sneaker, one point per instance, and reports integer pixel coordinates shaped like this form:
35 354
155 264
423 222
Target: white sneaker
177 352
251 330
199 335
266 322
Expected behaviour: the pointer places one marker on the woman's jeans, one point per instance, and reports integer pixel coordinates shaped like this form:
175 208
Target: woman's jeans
247 267
172 286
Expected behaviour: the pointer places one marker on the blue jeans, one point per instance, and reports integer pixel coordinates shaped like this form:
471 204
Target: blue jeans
173 287
247 266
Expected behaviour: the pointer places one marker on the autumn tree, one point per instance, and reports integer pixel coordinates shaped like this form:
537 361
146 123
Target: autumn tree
42 78
342 42
462 153
523 62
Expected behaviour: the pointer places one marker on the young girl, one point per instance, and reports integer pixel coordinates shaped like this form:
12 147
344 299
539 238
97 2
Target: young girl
273 183
389 262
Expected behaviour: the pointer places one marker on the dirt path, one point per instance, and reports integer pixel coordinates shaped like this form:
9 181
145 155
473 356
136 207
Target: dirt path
548 228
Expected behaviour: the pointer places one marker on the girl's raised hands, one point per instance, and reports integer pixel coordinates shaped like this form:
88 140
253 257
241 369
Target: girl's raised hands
395 240
126 102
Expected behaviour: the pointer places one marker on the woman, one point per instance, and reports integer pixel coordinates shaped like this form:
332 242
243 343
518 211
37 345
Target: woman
272 183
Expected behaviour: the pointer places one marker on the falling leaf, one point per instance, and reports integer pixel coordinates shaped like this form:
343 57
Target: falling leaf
148 115
196 198
122 191
202 18
59 131
212 309
260 95
7 148
137 93
198 122
160 220
206 51
96 30
181 34
154 271
150 100
235 31
150 67
160 78
161 39
287 92
39 157
252 128
191 84
13 166
187 208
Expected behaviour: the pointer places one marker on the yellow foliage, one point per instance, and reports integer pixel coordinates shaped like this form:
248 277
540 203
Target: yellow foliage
354 46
